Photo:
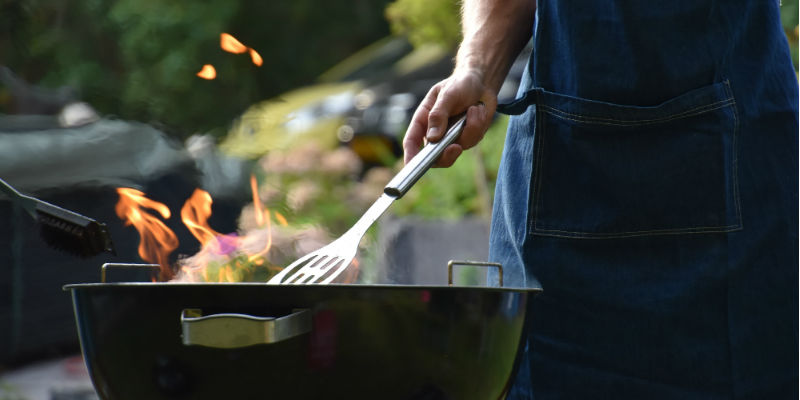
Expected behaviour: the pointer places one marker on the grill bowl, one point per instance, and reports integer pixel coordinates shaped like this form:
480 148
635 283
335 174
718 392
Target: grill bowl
363 341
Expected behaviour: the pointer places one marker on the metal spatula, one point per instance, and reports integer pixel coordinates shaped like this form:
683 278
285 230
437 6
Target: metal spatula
324 265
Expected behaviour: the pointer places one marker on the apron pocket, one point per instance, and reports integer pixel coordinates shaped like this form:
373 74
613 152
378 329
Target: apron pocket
604 170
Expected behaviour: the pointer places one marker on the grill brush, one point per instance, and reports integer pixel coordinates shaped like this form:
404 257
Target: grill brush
63 229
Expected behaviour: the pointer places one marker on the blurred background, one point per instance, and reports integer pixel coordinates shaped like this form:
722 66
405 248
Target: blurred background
310 98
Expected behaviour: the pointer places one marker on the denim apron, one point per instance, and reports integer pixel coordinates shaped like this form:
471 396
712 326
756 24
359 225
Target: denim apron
649 185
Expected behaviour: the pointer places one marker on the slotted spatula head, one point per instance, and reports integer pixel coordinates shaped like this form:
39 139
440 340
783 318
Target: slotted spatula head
321 266
326 264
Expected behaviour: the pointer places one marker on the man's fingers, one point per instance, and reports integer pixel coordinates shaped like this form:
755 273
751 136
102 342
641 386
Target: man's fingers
478 120
455 95
449 102
418 127
472 134
476 124
412 142
437 123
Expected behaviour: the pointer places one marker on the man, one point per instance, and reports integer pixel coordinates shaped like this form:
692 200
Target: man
649 185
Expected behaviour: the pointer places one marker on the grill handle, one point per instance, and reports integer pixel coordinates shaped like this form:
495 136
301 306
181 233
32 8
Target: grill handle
453 263
154 268
230 331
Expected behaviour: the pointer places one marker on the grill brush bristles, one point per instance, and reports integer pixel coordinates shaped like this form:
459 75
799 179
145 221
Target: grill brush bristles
63 229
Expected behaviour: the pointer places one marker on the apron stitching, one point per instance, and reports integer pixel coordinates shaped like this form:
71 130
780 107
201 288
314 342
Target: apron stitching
702 229
615 122
735 160
583 235
538 171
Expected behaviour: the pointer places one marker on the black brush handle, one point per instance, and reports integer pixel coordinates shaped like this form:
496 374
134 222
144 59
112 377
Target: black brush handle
61 228
26 202
421 162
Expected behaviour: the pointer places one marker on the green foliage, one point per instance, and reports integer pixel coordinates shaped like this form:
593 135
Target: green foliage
311 185
8 392
426 21
237 267
164 50
789 14
137 59
789 19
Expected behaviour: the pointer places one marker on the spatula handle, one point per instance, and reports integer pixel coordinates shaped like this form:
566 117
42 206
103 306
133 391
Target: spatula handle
418 165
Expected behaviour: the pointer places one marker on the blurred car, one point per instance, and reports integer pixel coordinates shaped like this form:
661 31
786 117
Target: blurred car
312 112
375 126
381 111
365 103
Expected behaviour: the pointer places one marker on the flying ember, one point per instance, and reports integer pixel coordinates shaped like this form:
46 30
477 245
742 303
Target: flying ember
207 72
231 44
257 60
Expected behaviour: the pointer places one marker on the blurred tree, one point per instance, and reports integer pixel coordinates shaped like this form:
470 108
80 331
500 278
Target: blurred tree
437 21
138 58
426 21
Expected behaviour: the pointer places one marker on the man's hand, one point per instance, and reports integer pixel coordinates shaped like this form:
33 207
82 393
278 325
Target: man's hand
493 34
462 91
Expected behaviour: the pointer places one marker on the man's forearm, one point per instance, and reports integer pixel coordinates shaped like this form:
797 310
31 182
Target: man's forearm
494 32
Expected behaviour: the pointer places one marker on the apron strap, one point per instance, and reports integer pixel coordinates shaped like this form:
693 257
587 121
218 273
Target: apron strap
520 104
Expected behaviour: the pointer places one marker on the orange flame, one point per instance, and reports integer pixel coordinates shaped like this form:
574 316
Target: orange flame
259 210
157 240
351 273
281 219
222 258
207 72
230 44
257 60
225 258
260 219
195 214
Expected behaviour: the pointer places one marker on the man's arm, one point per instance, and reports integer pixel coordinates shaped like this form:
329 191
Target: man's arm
494 32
